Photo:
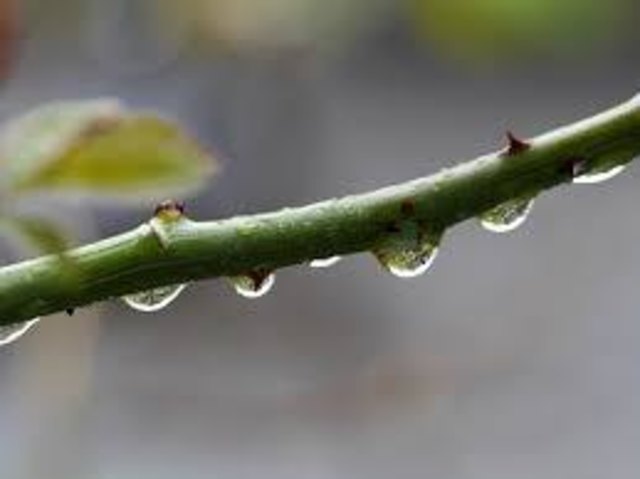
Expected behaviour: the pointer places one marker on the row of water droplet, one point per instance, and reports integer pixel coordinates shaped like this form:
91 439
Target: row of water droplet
404 260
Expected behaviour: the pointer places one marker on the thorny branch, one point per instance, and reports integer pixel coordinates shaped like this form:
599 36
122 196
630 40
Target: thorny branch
172 249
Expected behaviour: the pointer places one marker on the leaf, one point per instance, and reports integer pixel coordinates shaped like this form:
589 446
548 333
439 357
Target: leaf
501 30
31 141
97 147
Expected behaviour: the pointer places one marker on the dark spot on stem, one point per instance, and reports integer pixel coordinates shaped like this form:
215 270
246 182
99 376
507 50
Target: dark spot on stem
408 208
70 311
393 228
516 145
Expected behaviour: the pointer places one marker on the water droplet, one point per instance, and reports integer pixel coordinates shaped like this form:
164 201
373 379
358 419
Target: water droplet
593 177
253 285
507 216
409 259
154 299
325 262
13 332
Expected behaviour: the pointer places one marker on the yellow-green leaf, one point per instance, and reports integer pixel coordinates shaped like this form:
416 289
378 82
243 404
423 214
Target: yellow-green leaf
99 148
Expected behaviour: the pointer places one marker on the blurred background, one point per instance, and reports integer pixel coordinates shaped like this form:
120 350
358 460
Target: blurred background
515 356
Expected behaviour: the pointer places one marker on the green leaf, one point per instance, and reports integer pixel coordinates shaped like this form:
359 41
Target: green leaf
501 30
99 148
32 140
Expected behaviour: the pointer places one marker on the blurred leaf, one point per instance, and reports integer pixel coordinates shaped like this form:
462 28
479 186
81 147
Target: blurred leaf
41 234
34 139
96 147
497 29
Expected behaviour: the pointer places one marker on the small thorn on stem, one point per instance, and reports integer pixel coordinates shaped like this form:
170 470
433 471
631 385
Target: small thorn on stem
169 210
165 214
516 145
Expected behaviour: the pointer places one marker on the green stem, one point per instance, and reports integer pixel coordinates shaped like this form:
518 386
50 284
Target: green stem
179 250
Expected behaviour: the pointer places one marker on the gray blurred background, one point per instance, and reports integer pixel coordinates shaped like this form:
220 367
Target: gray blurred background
515 357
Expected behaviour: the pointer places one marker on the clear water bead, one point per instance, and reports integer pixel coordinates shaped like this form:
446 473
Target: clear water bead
13 332
325 262
154 299
594 177
253 286
408 261
508 216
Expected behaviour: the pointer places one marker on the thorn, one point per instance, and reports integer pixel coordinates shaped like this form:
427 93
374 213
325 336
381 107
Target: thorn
70 311
165 214
516 145
169 210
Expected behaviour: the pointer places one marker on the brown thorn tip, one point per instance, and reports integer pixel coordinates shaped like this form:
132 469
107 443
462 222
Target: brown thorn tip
516 145
171 208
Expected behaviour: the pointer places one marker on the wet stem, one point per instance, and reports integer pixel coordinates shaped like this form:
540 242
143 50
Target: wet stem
173 250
